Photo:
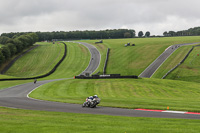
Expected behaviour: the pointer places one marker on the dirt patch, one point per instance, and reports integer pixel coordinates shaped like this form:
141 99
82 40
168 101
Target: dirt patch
101 47
186 67
83 49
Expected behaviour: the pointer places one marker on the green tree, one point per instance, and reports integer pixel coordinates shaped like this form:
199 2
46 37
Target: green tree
127 35
2 58
165 33
147 34
6 52
25 40
140 34
13 49
34 37
18 44
4 39
172 33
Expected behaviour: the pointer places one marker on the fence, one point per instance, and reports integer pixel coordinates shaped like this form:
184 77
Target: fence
106 62
113 76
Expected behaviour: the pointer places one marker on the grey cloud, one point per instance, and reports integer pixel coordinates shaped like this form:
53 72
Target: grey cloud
97 14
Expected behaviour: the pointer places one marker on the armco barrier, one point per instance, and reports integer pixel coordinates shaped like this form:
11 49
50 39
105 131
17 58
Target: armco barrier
45 75
16 58
180 62
106 61
109 76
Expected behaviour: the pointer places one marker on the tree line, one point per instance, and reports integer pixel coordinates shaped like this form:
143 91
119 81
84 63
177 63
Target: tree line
190 32
141 34
15 45
71 35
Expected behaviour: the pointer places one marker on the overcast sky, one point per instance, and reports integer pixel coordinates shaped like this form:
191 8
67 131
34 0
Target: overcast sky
155 16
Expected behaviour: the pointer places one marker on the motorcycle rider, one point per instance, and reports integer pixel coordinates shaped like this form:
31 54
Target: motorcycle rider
95 96
91 101
90 98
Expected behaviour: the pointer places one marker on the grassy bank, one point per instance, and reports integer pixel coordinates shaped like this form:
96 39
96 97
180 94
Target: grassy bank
23 121
133 60
42 59
189 70
172 61
125 93
38 61
76 61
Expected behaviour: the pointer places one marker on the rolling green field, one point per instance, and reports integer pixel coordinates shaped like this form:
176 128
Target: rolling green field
189 70
25 121
172 61
76 54
42 59
133 60
37 62
125 93
4 76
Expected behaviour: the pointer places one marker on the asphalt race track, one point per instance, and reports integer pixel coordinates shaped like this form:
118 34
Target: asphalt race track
151 69
95 58
17 97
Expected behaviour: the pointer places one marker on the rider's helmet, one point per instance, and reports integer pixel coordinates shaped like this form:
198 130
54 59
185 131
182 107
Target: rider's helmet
95 96
90 97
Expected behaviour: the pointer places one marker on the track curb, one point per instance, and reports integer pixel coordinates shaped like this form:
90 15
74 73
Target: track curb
169 111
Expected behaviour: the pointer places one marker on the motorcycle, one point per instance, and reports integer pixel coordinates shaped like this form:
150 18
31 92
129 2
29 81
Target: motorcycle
91 103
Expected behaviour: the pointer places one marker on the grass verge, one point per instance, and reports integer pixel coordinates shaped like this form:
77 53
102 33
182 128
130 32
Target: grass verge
38 61
125 93
23 121
6 84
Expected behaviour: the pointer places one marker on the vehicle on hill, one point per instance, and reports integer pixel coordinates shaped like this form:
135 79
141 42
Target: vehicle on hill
91 101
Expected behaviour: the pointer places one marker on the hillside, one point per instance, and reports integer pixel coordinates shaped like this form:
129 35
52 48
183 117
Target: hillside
123 60
42 59
133 60
38 61
189 70
172 61
140 93
121 93
125 93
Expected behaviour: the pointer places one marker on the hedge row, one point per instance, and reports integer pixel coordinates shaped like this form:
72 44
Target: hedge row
45 75
15 45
